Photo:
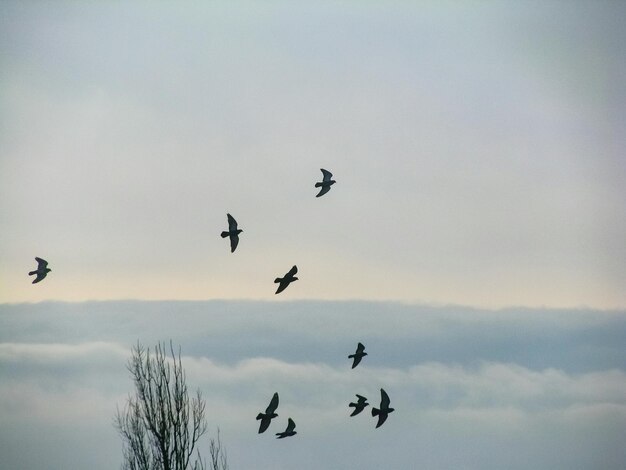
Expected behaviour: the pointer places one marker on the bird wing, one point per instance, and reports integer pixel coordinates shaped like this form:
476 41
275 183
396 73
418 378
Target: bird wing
234 241
327 174
265 423
273 404
290 425
356 360
360 348
293 271
323 191
384 399
232 223
361 398
382 417
40 276
41 263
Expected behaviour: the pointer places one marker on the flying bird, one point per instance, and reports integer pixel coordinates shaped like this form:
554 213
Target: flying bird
233 233
289 431
384 410
283 282
41 271
358 355
270 413
359 405
326 182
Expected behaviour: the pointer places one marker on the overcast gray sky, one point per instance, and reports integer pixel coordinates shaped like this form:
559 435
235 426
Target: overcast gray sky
478 149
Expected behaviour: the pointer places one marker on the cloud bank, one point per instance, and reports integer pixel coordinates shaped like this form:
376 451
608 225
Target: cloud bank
472 388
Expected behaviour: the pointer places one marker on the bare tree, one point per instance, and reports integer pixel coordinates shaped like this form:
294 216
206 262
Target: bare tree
218 454
160 426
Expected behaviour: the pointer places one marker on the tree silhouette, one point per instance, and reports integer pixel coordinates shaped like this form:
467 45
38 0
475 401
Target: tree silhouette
160 426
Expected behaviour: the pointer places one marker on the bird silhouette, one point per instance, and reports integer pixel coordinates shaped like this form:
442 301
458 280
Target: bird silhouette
384 410
233 233
358 355
41 271
289 431
326 182
270 413
283 282
359 405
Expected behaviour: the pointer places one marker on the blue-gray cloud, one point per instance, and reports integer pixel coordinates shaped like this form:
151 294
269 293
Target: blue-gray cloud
577 340
485 389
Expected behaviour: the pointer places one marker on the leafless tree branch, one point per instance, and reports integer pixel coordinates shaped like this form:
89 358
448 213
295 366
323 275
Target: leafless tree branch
160 426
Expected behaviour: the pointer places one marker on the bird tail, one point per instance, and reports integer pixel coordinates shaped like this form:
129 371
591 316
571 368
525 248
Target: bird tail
32 272
317 185
278 279
375 411
260 416
225 234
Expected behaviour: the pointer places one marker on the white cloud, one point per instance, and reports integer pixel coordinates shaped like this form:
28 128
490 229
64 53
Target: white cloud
493 402
60 352
422 385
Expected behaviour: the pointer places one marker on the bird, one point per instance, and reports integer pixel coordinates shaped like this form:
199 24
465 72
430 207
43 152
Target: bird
270 413
384 410
41 271
289 431
283 282
359 405
326 182
233 233
358 355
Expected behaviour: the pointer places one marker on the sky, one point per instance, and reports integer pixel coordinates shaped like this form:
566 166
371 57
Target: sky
477 149
474 240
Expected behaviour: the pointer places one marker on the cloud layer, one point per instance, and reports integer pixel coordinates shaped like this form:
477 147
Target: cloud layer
486 404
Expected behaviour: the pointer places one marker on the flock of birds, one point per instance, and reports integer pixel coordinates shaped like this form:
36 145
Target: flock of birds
283 282
382 412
